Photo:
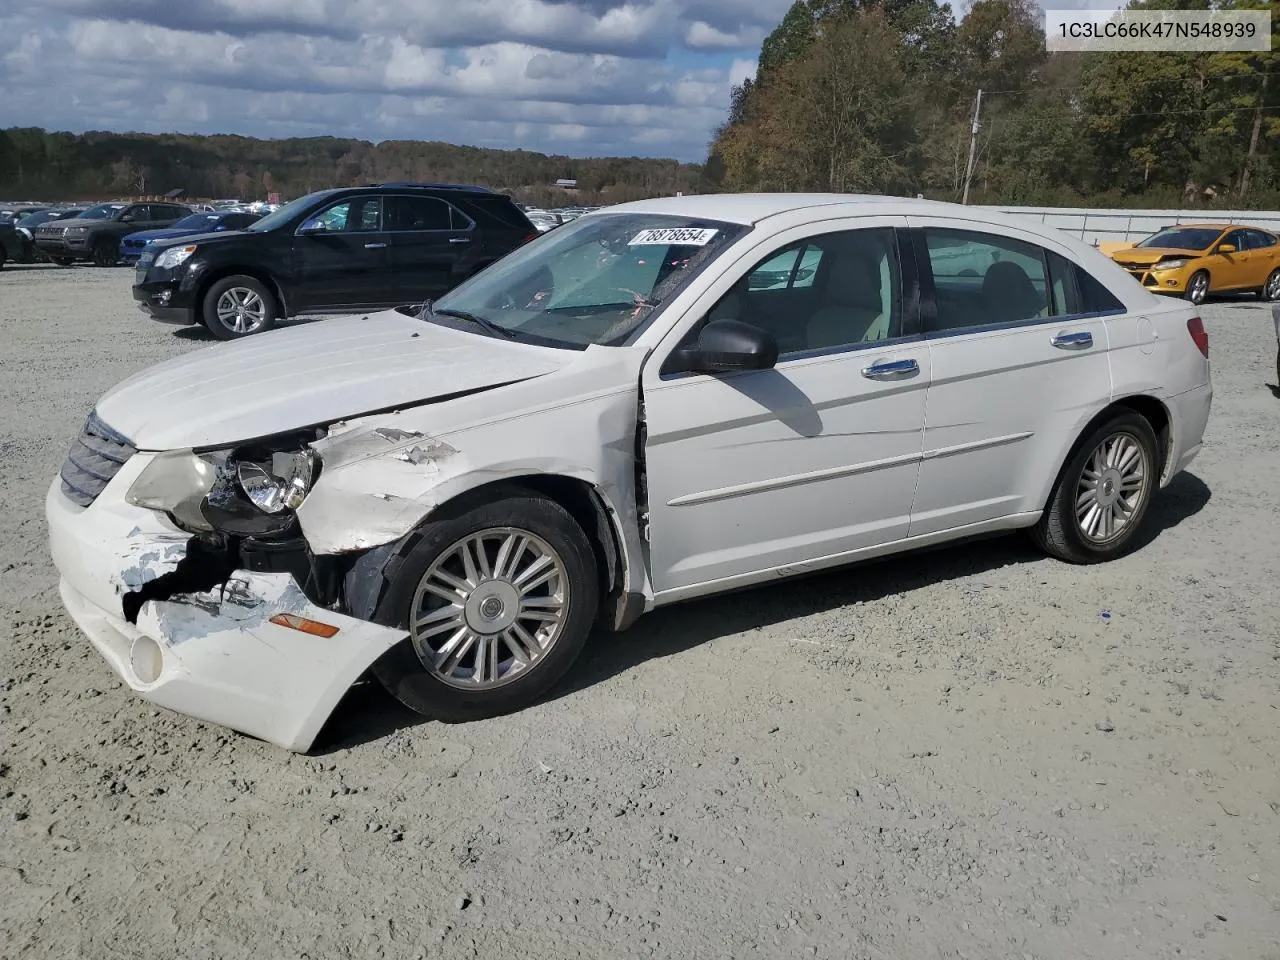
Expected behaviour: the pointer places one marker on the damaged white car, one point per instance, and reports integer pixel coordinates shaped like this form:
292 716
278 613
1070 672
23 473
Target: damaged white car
658 401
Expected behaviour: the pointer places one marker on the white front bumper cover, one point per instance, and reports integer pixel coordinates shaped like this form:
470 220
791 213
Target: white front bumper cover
214 656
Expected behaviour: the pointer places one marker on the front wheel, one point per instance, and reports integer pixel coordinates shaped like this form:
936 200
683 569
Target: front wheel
1198 287
1103 493
1271 289
106 252
498 600
238 306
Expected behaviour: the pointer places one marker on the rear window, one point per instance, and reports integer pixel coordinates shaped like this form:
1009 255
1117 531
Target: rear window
494 211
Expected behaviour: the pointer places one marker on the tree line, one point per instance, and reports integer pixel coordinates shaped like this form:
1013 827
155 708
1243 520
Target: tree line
878 96
46 165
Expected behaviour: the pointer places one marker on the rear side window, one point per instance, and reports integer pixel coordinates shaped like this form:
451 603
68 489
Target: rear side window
415 214
983 278
1064 287
494 211
1259 240
1094 297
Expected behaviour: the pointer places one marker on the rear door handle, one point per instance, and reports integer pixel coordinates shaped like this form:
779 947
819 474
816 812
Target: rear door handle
375 246
1073 341
891 370
459 239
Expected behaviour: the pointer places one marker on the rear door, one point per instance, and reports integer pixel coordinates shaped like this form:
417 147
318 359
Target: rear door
347 265
1017 364
433 246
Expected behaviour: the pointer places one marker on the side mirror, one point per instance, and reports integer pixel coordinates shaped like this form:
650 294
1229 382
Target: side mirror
726 346
314 225
1226 248
128 218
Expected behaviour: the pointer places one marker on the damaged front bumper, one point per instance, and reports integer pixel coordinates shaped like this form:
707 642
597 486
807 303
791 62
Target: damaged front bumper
213 654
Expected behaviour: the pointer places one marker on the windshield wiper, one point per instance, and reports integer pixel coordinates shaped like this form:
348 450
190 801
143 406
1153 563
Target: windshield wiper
479 321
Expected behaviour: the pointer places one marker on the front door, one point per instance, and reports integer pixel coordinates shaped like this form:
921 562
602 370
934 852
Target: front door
347 263
1017 366
807 462
433 247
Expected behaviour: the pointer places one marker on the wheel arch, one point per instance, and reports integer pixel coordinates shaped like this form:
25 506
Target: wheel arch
264 277
620 602
1150 408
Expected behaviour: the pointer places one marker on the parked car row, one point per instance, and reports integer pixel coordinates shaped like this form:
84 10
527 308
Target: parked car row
333 251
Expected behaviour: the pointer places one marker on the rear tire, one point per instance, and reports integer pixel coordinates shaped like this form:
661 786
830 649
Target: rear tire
238 306
1103 492
106 252
487 638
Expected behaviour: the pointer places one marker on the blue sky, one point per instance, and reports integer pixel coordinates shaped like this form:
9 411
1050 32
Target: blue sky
582 77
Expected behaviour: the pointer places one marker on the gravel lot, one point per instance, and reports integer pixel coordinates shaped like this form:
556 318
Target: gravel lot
957 754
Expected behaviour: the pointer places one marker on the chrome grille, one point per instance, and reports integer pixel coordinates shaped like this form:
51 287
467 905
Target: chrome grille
95 457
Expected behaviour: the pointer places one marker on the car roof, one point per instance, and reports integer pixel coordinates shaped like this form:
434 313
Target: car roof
750 208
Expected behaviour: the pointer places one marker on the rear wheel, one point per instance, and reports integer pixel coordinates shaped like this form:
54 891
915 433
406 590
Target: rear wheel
1271 289
498 600
238 306
1198 287
106 252
1103 493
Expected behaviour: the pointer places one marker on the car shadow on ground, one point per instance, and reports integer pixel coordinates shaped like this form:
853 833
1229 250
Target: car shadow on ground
199 333
368 714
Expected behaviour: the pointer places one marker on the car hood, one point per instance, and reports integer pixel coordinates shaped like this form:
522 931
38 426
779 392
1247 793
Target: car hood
168 233
1149 255
311 374
170 236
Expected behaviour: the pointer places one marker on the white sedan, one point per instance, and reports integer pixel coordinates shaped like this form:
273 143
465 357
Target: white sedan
658 401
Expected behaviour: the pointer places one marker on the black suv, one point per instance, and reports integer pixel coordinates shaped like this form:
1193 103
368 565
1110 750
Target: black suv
336 251
96 234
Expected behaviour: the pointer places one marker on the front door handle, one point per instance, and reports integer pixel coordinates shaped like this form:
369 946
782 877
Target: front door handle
375 246
459 239
891 370
1073 341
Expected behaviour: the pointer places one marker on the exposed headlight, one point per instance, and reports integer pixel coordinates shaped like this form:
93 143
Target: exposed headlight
251 490
281 487
1170 265
175 256
77 231
177 483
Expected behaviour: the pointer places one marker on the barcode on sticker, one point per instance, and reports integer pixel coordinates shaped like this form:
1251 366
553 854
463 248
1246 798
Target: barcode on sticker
685 236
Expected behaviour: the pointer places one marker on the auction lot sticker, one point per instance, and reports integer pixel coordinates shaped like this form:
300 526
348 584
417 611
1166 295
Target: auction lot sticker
1167 30
684 236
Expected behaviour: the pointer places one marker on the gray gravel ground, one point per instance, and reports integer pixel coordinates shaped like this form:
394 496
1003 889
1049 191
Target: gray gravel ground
949 755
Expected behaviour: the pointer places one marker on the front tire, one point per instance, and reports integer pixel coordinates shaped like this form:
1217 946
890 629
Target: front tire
106 252
498 599
1271 289
1198 287
237 307
1103 493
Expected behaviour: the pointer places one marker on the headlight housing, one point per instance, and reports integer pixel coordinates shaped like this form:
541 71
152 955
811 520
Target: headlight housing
76 231
175 256
251 490
1170 265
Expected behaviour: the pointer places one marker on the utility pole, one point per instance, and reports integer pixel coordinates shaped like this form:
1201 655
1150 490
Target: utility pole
973 144
1253 140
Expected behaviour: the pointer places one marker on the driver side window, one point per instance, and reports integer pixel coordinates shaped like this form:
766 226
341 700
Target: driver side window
833 290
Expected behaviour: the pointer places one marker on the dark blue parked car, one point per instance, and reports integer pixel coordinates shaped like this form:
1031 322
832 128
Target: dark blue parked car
198 223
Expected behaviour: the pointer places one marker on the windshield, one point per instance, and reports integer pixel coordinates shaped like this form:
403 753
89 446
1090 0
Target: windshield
286 213
104 211
1193 238
198 221
594 281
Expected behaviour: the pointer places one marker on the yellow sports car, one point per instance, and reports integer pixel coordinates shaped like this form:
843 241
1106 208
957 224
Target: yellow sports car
1196 259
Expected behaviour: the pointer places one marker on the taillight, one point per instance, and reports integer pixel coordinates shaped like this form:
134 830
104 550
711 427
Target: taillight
531 236
1196 329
